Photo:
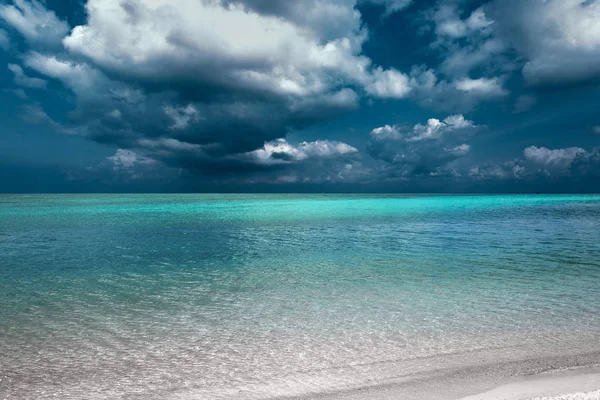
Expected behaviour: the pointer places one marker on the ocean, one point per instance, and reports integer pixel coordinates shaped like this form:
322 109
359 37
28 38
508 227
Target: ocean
266 296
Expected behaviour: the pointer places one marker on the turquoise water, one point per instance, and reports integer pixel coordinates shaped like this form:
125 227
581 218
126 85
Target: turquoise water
257 296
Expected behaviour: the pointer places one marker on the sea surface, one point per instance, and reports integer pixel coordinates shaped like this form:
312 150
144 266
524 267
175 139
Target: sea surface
259 296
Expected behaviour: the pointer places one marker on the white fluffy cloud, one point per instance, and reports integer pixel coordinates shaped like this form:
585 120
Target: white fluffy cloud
555 42
307 162
230 45
552 160
423 149
434 129
328 18
389 84
572 163
460 95
466 43
218 77
83 80
36 23
194 84
281 152
560 39
481 87
448 22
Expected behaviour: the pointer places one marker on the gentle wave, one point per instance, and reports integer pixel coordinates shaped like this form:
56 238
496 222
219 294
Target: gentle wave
264 296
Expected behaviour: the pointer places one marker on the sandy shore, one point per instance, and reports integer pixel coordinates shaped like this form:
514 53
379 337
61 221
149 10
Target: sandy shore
566 385
575 396
527 380
573 385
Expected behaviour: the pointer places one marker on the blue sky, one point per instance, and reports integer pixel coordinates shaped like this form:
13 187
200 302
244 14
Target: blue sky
310 95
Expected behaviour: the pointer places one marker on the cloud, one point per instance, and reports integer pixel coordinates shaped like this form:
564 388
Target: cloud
423 150
213 87
33 113
279 162
572 164
281 152
449 24
513 169
552 161
389 84
20 93
431 91
225 46
553 43
391 6
481 87
124 169
466 44
329 18
126 159
321 171
587 164
4 40
85 81
326 105
524 103
22 79
36 23
182 117
559 39
220 78
475 60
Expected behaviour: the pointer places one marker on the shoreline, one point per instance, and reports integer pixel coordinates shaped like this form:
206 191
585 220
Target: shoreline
578 384
552 378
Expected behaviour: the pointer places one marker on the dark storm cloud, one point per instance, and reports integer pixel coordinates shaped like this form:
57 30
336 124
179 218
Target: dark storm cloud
187 88
152 78
277 162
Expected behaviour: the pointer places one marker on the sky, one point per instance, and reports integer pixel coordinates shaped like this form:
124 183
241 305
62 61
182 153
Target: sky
436 96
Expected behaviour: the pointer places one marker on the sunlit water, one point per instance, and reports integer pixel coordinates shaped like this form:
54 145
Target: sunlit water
254 296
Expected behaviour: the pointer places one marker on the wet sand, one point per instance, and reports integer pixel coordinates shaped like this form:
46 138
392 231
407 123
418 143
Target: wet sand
574 385
554 378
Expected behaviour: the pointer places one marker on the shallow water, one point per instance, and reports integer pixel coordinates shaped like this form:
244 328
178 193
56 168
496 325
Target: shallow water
221 296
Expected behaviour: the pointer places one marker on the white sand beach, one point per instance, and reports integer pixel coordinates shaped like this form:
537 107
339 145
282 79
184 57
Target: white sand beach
575 396
578 383
573 385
